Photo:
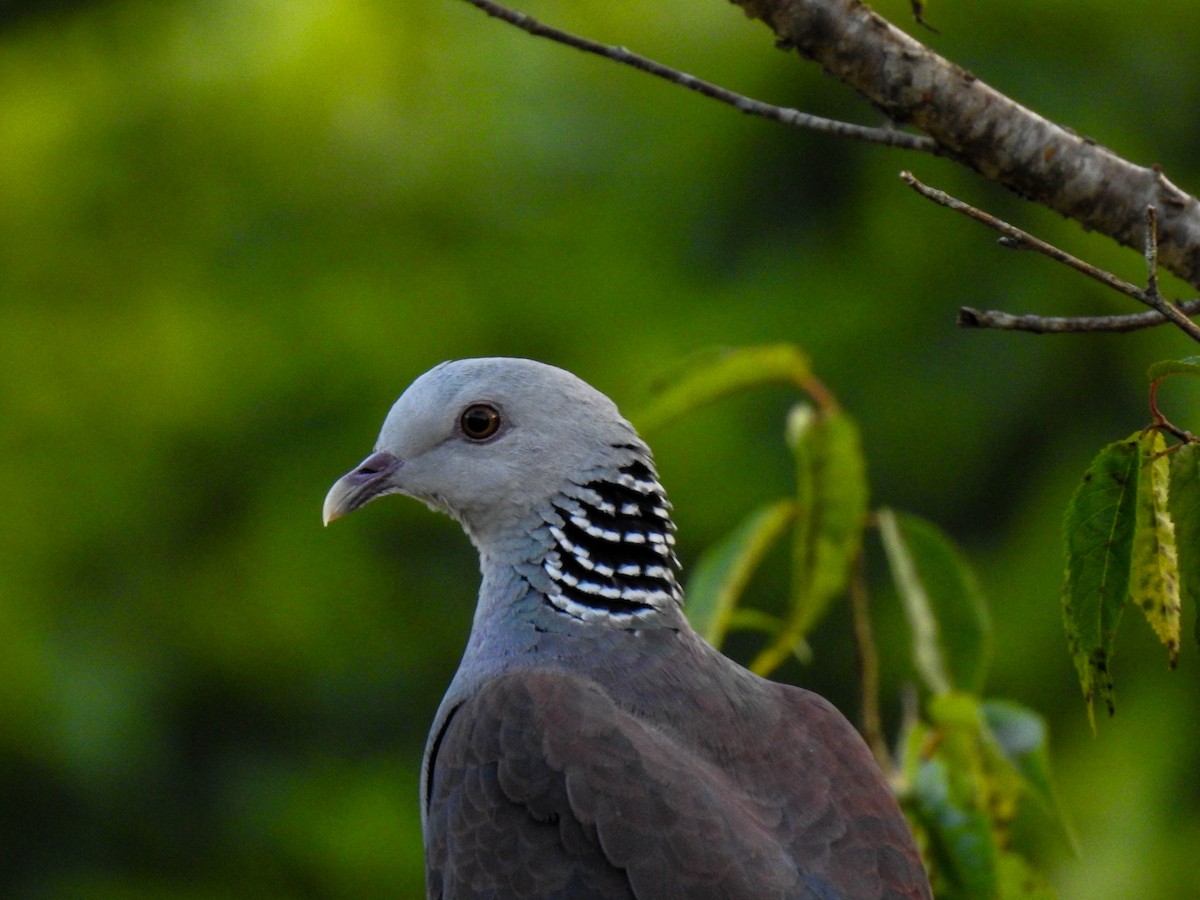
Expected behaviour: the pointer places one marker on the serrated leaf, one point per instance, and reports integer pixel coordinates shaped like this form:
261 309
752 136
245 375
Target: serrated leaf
1188 366
942 599
1154 567
720 375
831 503
1098 534
722 573
1183 502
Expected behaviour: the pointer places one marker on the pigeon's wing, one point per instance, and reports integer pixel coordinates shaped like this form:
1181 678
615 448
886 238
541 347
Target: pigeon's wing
540 786
838 815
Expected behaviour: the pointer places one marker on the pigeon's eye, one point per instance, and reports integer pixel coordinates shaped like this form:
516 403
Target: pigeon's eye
480 421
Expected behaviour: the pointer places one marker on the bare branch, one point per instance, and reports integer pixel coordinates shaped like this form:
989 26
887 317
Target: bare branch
962 118
987 131
969 317
1015 238
889 137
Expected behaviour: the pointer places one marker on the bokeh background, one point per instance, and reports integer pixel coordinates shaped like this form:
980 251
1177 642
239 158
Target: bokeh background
232 232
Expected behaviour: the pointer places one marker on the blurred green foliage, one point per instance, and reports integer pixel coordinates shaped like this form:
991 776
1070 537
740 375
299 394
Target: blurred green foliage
231 233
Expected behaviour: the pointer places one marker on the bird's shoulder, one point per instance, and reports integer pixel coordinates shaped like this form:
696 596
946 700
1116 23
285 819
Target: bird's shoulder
580 781
768 792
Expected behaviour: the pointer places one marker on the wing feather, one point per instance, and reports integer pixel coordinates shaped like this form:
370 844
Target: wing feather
544 787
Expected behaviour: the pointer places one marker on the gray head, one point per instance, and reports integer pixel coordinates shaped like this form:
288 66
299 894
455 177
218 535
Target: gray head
486 440
528 455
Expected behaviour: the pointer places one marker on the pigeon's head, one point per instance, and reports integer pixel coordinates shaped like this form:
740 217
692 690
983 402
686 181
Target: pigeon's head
490 442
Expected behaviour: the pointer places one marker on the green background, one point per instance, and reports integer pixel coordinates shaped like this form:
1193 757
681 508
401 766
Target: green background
232 232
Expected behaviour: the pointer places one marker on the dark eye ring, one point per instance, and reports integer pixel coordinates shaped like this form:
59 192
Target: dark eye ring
480 421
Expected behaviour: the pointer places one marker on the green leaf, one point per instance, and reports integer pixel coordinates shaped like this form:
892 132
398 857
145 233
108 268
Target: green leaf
1154 571
978 765
945 606
948 800
1020 735
1017 880
838 516
960 838
803 437
831 503
957 710
1183 502
720 576
716 376
1188 366
1098 532
743 618
927 650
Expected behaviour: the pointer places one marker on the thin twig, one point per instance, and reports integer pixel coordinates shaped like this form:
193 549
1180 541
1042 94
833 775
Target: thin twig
969 317
1015 238
868 666
887 136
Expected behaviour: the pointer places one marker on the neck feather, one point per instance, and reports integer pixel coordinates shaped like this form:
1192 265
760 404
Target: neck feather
612 554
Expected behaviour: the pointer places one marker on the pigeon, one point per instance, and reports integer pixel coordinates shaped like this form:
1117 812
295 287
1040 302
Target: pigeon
591 743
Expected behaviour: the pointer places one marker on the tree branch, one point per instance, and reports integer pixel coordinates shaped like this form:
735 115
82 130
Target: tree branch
962 118
1016 239
889 137
969 317
985 130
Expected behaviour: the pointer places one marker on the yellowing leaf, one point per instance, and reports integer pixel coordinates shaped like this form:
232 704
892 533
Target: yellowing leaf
1098 532
1184 504
1154 573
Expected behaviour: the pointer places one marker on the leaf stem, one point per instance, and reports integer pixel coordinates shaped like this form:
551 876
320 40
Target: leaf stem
1161 422
871 722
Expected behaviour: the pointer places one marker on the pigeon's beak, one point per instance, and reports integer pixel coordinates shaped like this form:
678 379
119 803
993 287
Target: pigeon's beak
371 479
